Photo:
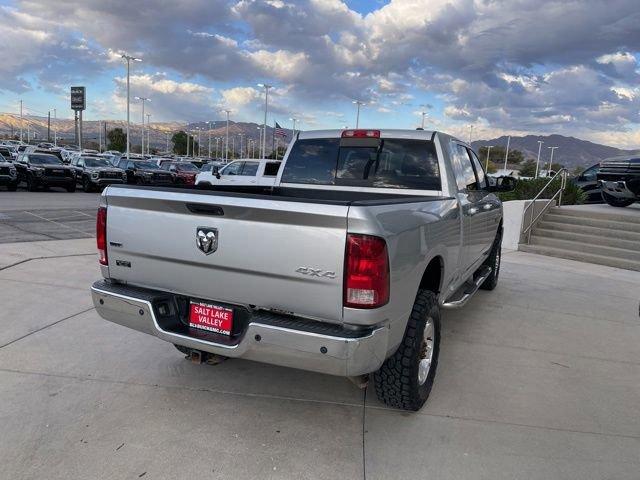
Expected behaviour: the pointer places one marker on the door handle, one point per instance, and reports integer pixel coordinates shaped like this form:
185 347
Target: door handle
472 211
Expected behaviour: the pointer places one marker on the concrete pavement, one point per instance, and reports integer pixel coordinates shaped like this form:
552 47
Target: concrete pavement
537 379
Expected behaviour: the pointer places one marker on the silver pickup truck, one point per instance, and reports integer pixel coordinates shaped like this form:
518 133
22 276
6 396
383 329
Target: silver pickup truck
341 267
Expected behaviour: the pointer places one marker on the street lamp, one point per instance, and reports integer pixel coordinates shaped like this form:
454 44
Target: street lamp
129 59
540 142
294 120
486 167
266 108
142 99
470 133
550 159
148 134
226 148
209 143
358 104
424 114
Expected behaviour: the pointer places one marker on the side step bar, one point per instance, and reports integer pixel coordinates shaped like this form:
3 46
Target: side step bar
461 296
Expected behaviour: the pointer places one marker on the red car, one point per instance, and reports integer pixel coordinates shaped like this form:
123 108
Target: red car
185 172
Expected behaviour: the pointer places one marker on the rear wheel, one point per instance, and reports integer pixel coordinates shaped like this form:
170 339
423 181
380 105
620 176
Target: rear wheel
406 377
617 202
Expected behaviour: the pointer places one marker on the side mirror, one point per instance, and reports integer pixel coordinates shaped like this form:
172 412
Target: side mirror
217 174
502 184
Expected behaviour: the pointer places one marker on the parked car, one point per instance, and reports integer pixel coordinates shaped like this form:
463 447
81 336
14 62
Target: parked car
213 166
341 268
94 173
241 172
9 153
619 179
588 182
44 170
185 172
8 174
145 172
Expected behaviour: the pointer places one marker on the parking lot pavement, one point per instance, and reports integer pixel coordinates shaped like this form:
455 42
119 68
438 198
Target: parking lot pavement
54 215
537 379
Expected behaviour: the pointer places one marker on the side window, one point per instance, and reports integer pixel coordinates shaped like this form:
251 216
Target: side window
233 169
271 169
131 165
482 180
250 169
465 176
25 159
81 163
590 174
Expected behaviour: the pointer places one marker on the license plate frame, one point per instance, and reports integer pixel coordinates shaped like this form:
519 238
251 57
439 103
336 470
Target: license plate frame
207 316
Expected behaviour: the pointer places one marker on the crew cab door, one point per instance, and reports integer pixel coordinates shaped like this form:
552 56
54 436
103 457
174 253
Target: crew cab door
268 173
470 197
489 210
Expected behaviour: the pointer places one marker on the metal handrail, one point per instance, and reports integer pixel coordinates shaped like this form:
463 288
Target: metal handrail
563 184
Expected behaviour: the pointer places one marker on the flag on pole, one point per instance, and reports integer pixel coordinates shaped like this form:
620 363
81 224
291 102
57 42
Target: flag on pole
280 132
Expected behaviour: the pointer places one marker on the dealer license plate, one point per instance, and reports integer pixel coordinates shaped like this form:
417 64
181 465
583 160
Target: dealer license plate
214 318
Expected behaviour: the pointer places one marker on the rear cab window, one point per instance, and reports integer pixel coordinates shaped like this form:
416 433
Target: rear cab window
369 162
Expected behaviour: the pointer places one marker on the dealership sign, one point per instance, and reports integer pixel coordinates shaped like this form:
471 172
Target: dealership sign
78 98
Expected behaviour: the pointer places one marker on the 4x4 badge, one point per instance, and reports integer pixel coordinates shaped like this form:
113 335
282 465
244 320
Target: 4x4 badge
207 239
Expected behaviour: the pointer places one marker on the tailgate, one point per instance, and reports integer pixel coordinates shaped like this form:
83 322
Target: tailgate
265 251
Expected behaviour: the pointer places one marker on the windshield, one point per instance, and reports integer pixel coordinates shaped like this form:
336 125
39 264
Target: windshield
44 160
186 167
96 162
146 165
387 163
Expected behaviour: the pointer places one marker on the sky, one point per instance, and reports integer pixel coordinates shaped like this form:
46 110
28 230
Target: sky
504 66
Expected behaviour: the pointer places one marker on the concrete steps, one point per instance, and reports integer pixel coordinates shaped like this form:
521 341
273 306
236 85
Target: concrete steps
603 237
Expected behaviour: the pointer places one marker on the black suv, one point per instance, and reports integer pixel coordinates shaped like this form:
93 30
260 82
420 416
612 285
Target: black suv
145 172
93 173
588 182
8 174
44 170
619 179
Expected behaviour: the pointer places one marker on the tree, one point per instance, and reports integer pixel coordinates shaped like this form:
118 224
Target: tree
528 169
179 140
497 155
117 140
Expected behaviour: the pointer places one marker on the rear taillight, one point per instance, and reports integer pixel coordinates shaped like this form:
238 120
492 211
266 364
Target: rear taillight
101 235
361 134
366 276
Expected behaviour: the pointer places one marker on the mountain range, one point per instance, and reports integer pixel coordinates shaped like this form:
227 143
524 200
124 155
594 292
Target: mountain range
571 151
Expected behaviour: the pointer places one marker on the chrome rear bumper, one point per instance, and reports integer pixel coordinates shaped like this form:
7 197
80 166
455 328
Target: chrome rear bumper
333 354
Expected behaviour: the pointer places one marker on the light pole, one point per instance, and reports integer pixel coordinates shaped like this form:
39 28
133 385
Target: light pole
142 99
540 142
167 149
260 142
129 59
470 133
20 121
240 135
199 142
55 129
486 167
188 135
226 155
424 114
294 120
209 144
550 159
506 153
358 104
216 139
266 108
148 134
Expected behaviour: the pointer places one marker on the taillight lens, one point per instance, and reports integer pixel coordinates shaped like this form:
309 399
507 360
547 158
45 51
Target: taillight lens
366 276
101 235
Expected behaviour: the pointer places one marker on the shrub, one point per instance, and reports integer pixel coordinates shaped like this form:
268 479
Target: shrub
527 189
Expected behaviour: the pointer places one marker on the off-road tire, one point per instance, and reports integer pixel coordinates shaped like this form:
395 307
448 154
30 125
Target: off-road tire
86 185
31 185
396 382
617 202
493 261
